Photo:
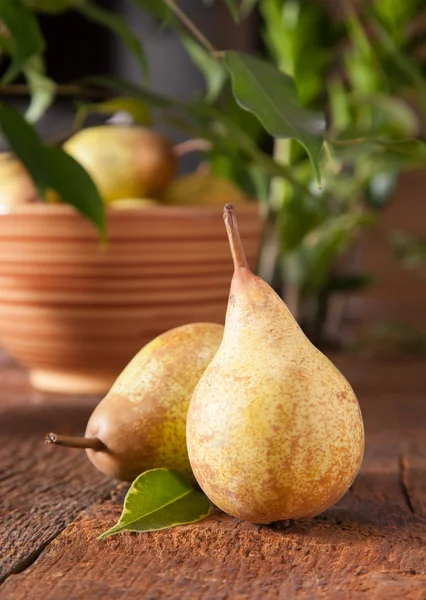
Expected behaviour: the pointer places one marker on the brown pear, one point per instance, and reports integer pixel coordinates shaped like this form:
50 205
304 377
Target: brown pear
140 424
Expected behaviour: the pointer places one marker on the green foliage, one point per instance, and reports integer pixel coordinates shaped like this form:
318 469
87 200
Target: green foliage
139 110
52 168
20 36
271 95
42 88
233 9
290 28
160 499
359 71
52 6
213 71
111 20
409 250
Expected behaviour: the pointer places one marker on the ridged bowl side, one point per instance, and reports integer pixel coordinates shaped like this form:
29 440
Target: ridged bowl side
76 311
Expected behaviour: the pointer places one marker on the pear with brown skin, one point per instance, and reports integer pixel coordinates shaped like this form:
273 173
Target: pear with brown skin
274 430
140 424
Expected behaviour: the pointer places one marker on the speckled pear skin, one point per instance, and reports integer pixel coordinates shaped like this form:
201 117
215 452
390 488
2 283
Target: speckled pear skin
274 430
142 419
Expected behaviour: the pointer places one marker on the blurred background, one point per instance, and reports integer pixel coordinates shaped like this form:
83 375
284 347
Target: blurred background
350 260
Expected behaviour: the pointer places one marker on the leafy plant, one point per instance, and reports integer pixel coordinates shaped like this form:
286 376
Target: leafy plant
336 97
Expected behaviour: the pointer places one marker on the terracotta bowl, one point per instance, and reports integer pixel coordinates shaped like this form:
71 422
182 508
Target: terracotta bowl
75 312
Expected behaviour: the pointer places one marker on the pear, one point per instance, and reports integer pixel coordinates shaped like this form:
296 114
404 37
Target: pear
203 190
124 161
132 203
16 185
140 424
274 430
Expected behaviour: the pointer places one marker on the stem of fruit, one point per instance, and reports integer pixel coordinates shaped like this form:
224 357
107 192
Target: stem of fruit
192 145
237 250
75 442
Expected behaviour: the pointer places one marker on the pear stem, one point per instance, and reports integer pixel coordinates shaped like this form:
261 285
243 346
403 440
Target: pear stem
75 442
237 250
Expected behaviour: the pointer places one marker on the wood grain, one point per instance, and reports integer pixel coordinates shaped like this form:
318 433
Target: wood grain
369 543
41 490
372 544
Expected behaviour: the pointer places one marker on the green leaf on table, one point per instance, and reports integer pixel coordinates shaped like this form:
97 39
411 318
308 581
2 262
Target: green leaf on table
213 70
262 89
113 21
52 168
42 89
20 36
138 110
159 499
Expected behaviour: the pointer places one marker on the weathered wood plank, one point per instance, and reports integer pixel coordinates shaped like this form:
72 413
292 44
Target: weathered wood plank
41 490
370 543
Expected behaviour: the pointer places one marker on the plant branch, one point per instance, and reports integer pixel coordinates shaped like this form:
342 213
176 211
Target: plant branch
21 89
192 145
191 26
352 142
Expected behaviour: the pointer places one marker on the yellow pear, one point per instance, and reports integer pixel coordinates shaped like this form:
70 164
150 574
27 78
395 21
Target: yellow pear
129 203
274 430
16 185
202 189
140 424
124 162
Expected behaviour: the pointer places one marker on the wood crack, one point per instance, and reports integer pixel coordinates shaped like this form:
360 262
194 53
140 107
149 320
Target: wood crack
25 562
404 468
28 560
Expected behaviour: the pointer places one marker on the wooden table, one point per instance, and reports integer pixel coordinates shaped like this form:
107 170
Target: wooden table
54 504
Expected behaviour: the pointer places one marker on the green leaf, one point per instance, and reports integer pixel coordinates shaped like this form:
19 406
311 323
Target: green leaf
52 6
415 149
113 21
404 63
52 167
158 10
262 89
159 499
138 110
380 188
323 245
42 89
233 9
74 185
26 144
247 7
23 38
213 71
339 105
